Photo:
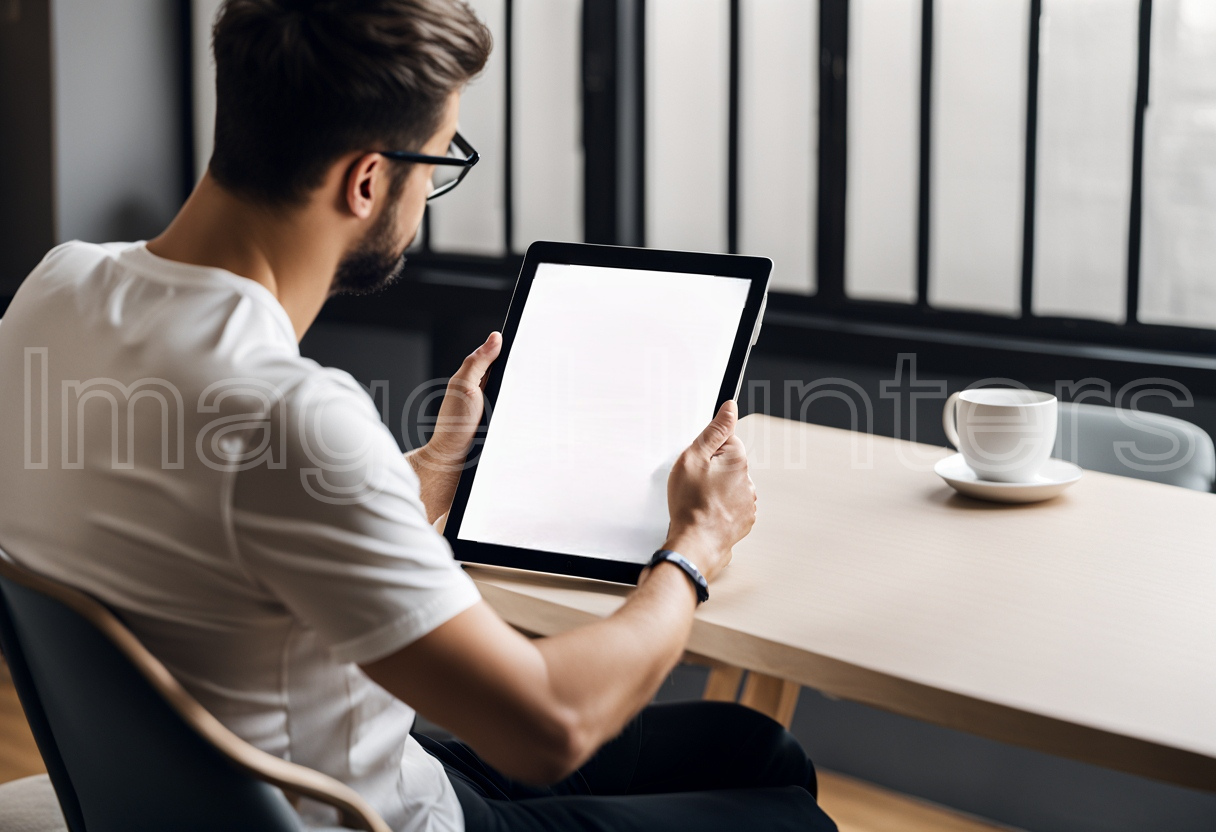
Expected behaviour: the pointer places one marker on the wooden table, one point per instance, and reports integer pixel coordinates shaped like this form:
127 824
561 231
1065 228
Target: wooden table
1084 626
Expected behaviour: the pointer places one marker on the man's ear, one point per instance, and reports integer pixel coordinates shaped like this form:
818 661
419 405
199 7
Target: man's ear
361 184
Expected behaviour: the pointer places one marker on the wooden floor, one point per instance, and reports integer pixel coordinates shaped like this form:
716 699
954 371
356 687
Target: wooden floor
856 806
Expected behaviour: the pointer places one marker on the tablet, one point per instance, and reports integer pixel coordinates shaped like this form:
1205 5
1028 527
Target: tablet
613 361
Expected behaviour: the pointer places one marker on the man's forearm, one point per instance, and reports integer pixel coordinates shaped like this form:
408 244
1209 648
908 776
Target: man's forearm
608 671
537 709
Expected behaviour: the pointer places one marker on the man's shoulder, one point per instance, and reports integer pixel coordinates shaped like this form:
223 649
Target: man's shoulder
55 285
78 257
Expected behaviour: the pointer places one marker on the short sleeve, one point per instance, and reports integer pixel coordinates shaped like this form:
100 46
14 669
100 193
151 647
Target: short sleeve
326 516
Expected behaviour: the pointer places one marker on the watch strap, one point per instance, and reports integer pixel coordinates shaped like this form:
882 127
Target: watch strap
694 574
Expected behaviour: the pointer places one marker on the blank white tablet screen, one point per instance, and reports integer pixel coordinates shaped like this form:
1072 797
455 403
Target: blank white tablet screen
612 373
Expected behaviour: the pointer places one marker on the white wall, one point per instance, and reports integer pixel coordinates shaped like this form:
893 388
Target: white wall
117 118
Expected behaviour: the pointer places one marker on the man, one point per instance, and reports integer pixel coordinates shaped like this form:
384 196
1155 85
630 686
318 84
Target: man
249 516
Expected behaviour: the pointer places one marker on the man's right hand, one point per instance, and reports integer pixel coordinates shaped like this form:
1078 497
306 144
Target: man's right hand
710 496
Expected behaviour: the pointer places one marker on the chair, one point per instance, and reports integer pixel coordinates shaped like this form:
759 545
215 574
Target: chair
30 805
126 747
1134 443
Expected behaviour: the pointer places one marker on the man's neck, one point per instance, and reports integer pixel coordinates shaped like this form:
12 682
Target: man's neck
287 251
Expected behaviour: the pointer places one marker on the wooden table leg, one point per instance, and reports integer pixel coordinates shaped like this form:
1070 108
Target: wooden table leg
723 683
771 696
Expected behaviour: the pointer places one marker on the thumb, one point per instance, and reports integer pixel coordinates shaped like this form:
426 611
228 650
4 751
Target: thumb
718 431
478 361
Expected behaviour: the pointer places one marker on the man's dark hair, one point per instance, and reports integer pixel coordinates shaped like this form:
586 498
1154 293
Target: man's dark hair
300 83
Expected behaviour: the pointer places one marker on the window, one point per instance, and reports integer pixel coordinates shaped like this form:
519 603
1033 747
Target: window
1178 269
883 149
1041 167
1083 161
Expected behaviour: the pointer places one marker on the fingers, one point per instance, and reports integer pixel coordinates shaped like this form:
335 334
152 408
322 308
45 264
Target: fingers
474 367
718 432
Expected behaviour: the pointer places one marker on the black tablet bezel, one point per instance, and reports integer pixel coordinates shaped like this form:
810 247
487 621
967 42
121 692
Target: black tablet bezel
754 269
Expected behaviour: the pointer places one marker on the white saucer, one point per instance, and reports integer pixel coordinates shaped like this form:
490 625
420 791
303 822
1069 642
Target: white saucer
1054 478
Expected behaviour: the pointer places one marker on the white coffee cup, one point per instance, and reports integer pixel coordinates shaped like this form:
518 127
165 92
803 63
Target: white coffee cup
1005 434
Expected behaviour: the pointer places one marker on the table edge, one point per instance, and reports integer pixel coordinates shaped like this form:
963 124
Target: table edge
897 695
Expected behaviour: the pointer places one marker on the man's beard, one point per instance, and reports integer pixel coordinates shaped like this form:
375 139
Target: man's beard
376 262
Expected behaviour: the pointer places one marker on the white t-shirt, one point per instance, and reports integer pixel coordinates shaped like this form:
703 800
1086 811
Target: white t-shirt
242 508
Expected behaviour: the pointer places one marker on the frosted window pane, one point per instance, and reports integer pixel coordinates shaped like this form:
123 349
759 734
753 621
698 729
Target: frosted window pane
778 145
883 149
1178 271
687 67
202 16
547 147
1083 173
979 149
470 218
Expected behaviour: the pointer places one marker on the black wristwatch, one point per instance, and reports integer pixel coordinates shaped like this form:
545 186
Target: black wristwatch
693 573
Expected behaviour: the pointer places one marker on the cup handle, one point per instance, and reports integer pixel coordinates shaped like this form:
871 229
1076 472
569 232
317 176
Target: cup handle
949 417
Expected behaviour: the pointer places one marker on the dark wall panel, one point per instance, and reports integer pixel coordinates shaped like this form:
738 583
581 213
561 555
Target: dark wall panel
27 211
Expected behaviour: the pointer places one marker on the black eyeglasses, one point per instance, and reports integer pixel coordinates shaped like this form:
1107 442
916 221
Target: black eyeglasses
449 170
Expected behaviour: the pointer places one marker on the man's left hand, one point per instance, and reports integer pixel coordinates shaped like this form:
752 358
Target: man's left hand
439 462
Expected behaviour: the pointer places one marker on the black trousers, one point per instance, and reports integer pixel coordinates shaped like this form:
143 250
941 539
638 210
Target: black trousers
703 766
